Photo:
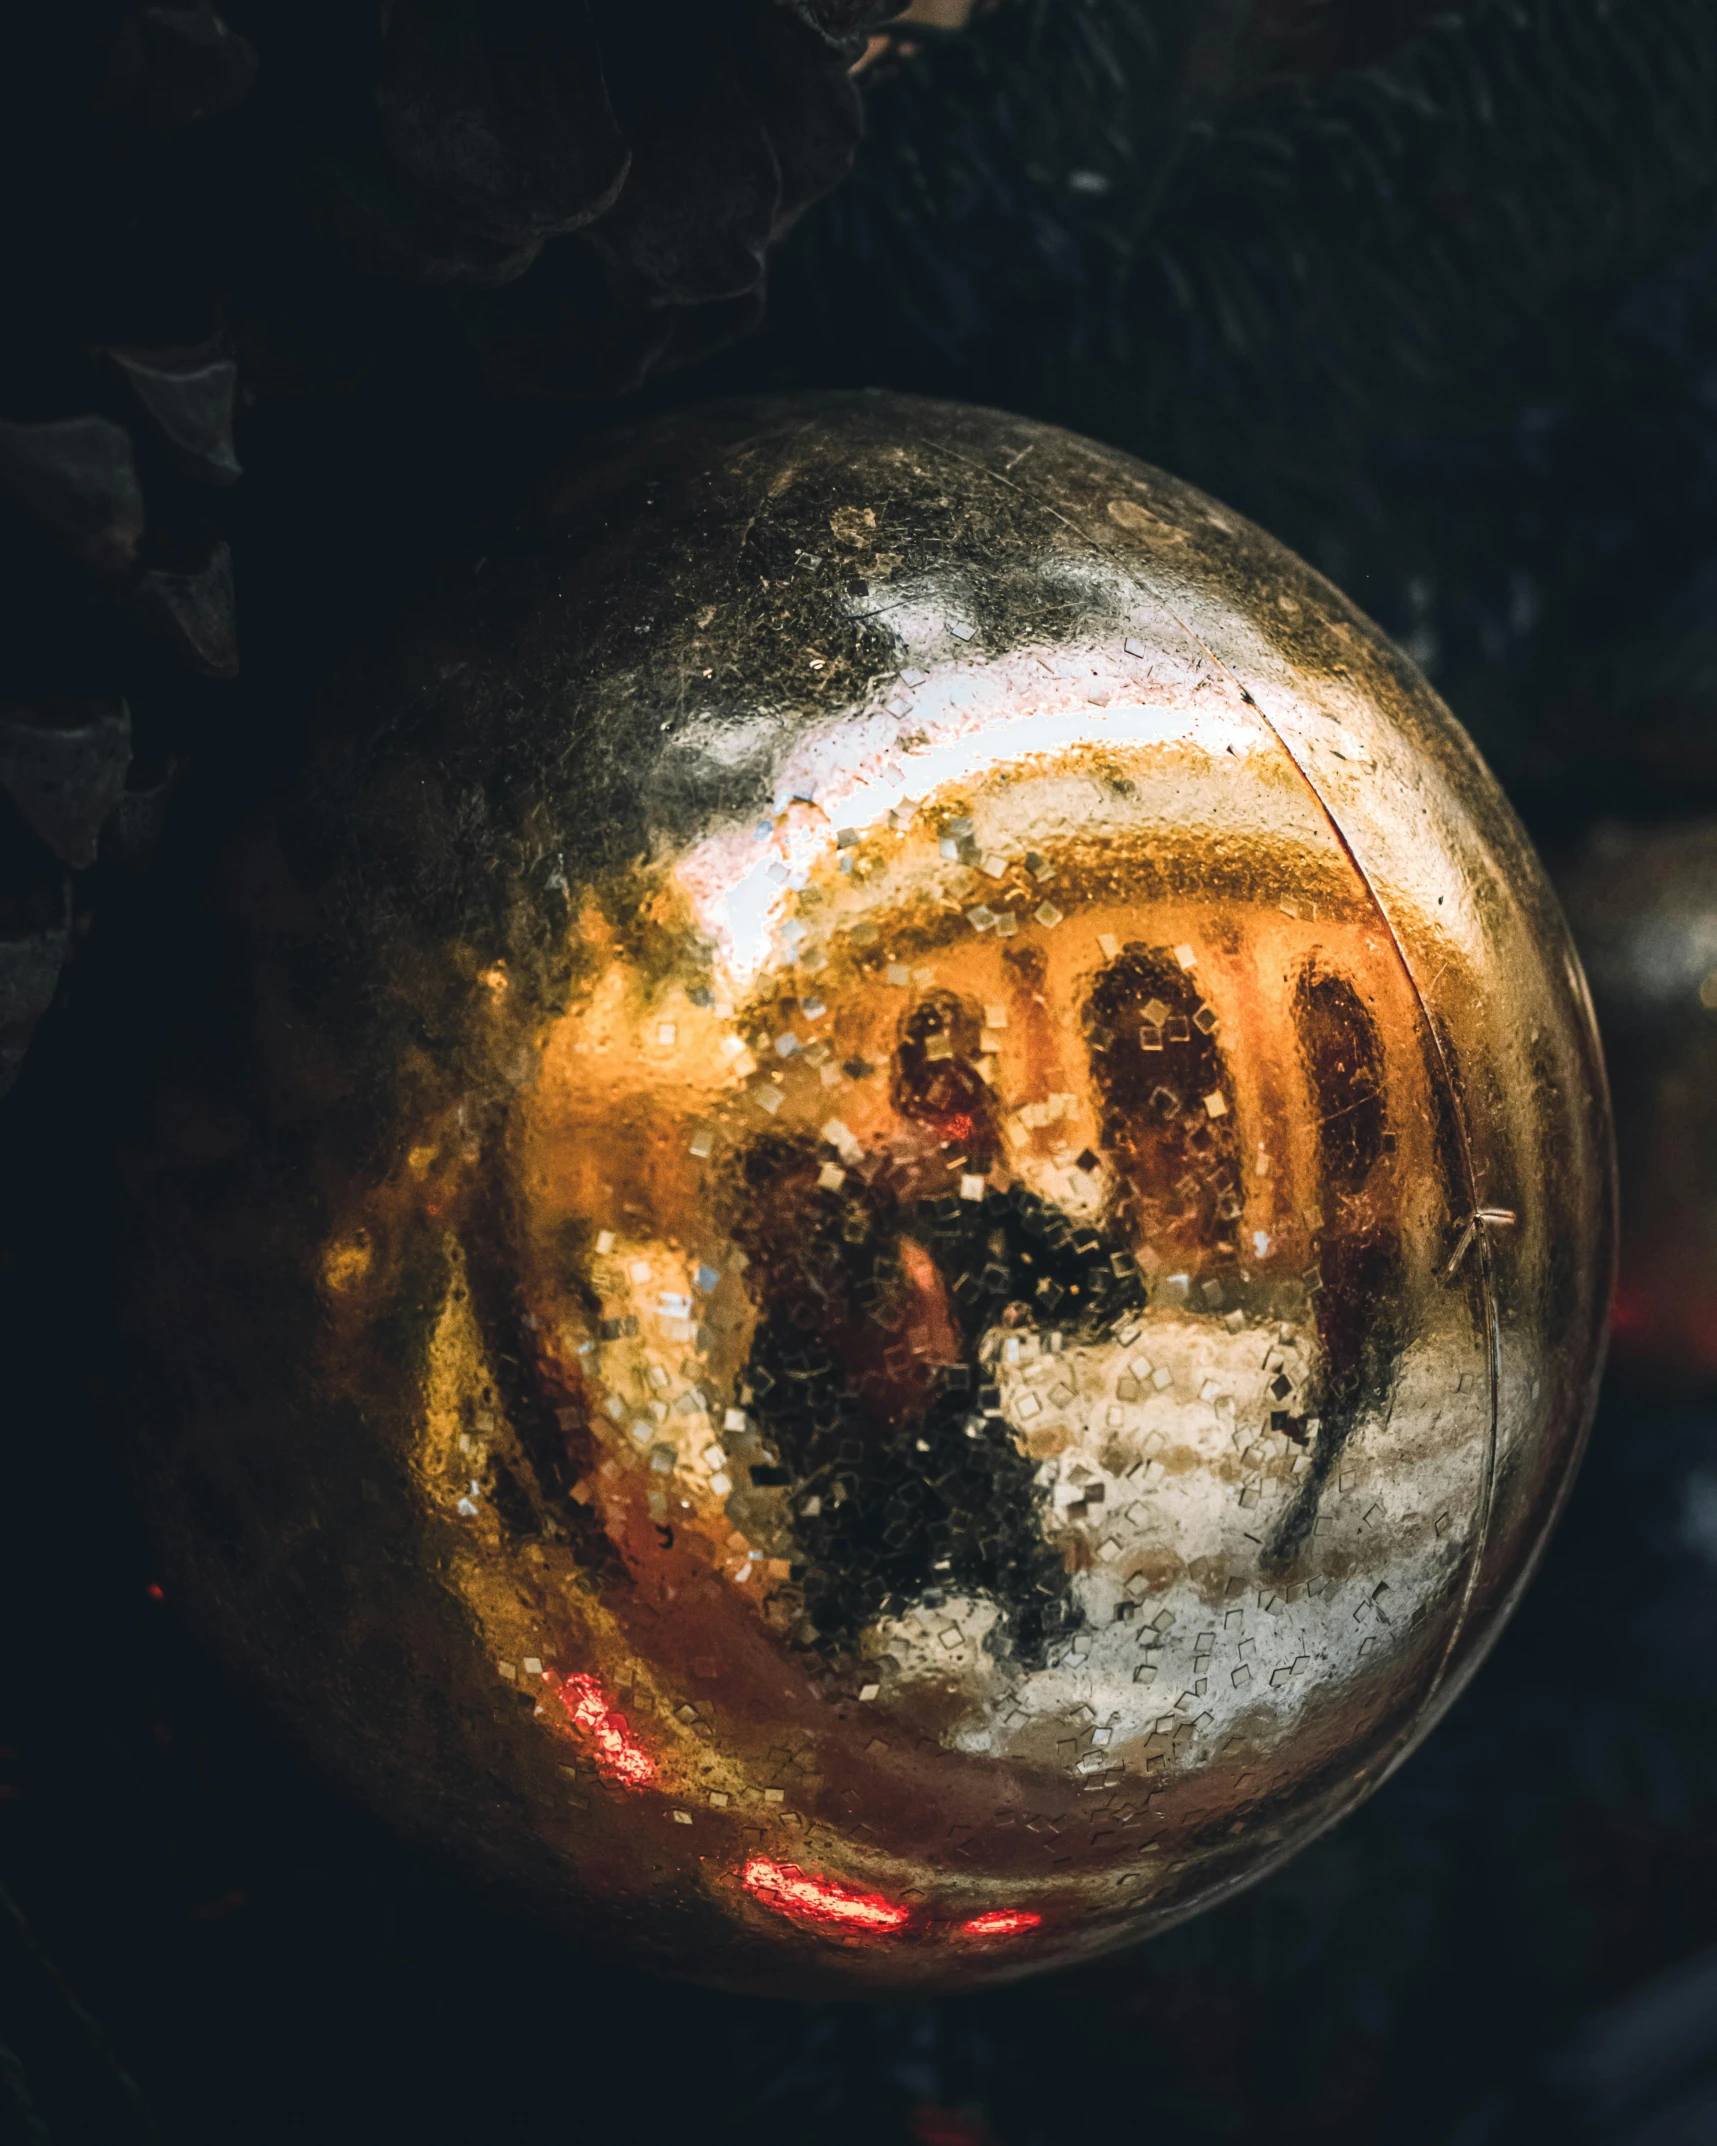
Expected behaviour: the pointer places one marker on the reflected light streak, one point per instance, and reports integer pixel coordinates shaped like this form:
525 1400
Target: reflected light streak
619 1755
858 774
789 1891
1001 1922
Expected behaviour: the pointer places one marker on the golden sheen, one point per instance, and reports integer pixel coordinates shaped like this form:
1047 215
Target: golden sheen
899 1241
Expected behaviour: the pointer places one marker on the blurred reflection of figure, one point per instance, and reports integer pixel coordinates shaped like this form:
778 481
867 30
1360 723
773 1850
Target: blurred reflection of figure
867 1373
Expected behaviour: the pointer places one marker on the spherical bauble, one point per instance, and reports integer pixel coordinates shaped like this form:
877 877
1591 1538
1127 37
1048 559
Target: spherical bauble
906 1238
1643 905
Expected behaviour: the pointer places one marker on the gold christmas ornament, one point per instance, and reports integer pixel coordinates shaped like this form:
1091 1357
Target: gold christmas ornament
904 1238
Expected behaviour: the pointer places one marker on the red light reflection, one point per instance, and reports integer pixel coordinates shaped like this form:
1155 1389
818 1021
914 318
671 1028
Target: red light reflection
932 2126
1001 1922
619 1755
786 1888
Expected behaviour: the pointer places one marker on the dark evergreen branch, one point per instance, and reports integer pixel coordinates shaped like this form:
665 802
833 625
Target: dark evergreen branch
87 2024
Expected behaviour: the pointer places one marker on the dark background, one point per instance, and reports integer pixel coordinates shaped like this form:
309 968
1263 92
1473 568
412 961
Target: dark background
1506 449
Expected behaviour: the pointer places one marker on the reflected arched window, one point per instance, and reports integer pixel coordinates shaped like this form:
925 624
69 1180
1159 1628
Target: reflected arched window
1356 1244
1342 1053
1167 1105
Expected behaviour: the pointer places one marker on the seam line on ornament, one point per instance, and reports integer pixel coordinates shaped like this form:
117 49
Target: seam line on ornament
1492 1324
1481 1238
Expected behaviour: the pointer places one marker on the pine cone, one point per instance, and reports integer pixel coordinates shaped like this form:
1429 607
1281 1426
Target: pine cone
677 144
446 142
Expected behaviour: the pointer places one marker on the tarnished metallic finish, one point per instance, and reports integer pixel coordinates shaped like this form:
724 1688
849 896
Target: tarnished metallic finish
908 1236
1643 905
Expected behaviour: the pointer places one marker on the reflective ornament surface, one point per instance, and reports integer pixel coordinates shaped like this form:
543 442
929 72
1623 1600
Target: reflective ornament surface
1643 905
903 1239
